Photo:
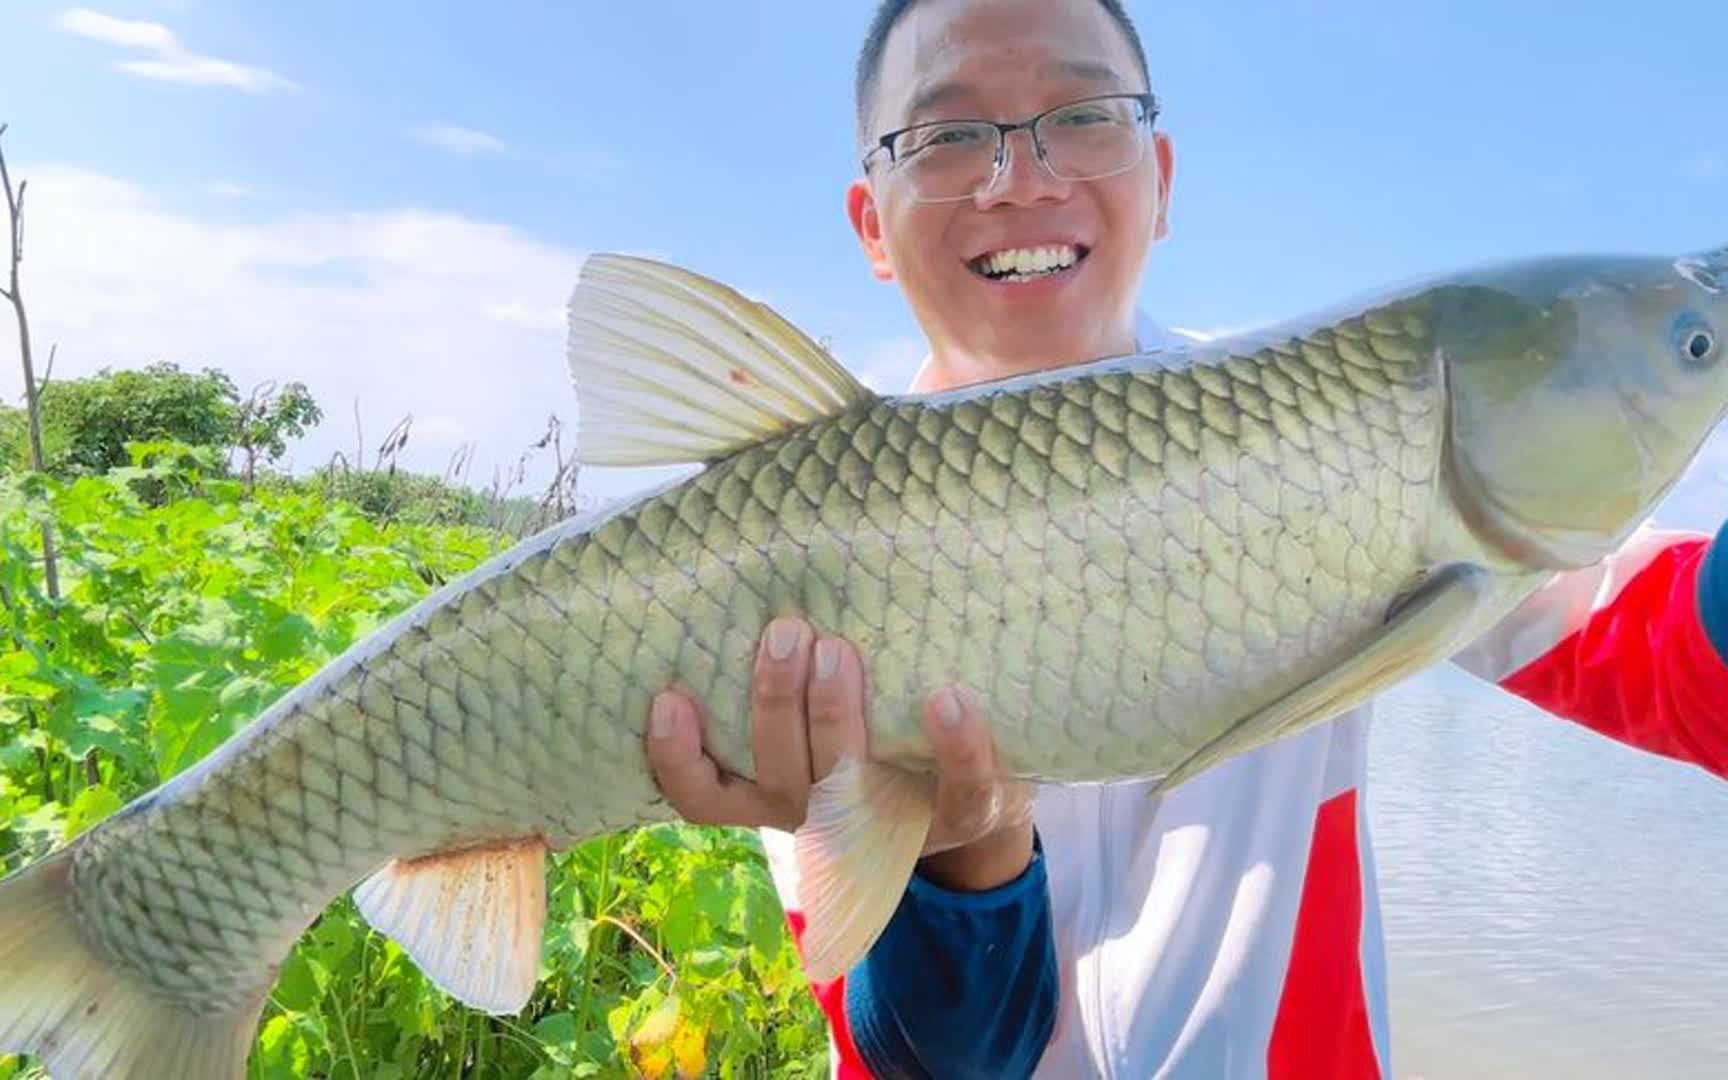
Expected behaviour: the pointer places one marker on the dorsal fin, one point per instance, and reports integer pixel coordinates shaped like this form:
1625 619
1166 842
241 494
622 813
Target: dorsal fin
672 368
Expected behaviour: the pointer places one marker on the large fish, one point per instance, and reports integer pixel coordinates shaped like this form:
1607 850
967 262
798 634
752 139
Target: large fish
1143 566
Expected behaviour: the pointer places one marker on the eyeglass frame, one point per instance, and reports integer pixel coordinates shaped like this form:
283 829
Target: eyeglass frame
1150 108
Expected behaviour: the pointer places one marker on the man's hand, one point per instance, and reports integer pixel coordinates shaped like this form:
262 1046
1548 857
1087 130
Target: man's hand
807 712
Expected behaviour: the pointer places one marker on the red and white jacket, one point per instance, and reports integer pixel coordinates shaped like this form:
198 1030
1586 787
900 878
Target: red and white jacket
1232 927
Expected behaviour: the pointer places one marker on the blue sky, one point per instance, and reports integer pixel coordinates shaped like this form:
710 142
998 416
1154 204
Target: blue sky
390 201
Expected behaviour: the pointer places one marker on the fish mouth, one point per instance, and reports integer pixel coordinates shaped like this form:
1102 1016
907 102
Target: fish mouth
1015 265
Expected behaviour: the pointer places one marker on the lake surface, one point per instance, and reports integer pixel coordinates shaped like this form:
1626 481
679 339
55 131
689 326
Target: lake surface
1556 905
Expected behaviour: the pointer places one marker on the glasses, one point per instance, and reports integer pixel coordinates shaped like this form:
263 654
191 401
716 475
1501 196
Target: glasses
1089 139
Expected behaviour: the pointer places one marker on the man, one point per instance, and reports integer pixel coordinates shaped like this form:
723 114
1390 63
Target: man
1230 928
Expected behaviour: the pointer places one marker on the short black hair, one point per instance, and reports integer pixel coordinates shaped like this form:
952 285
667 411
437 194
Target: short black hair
888 13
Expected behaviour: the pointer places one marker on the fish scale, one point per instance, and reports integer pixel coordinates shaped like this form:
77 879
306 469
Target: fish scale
1127 561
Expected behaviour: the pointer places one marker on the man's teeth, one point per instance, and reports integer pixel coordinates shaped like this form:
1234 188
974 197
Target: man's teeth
1021 263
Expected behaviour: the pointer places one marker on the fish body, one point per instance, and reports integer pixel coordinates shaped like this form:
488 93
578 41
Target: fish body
1142 566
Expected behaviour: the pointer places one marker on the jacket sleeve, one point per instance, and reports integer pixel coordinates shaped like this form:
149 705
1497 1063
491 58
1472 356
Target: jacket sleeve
1713 594
959 984
1635 648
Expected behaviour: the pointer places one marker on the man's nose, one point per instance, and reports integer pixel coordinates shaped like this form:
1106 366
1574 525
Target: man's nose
1022 179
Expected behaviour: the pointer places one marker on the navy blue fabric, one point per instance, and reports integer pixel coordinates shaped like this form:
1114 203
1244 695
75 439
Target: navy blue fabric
1713 593
959 984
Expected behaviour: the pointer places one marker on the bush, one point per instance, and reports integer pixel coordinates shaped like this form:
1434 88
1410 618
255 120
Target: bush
87 423
185 614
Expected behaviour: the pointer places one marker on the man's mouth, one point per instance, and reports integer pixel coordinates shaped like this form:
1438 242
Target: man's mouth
1028 264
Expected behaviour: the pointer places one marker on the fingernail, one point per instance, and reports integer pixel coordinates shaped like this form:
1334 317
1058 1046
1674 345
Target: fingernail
783 635
948 708
660 718
827 658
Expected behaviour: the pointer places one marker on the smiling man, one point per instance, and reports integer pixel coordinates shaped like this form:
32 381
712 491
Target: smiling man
1014 183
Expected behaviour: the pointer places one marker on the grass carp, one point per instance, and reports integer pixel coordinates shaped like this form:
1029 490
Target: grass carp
1142 566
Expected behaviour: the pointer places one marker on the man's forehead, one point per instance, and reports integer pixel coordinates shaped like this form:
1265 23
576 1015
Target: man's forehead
949 51
932 93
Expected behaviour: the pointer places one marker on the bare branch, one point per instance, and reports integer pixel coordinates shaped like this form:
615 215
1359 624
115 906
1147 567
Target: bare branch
48 372
359 438
141 631
32 389
14 247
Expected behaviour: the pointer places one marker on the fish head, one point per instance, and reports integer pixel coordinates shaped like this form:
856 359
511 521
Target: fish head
1579 391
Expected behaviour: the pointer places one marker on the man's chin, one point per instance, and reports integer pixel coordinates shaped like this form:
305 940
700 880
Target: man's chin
1032 341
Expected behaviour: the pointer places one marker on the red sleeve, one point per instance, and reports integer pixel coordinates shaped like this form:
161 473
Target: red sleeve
1641 669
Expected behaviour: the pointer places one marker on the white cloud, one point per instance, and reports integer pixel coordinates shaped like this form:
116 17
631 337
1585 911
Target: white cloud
227 189
407 310
120 33
189 70
533 318
172 61
455 139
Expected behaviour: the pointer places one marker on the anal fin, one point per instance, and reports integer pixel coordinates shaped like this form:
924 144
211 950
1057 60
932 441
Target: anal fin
862 834
1441 616
473 920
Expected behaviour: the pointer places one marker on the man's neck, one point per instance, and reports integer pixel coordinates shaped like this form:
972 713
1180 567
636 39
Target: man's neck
947 369
950 372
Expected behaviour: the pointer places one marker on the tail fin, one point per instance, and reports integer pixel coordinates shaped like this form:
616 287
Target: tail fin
84 1018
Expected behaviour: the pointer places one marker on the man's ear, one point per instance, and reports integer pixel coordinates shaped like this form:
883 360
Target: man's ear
861 210
1166 178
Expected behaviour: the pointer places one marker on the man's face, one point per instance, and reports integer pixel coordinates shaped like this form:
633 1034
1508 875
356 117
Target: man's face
1006 60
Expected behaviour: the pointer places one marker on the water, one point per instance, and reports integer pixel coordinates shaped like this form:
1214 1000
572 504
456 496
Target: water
1556 904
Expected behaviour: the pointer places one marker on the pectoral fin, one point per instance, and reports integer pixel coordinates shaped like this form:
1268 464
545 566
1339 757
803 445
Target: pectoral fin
472 920
1435 621
860 841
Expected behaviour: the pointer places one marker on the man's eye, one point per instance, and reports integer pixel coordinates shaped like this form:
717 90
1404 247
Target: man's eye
1085 118
940 137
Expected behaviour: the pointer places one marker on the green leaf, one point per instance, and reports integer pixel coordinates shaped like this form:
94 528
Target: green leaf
683 927
557 1035
93 805
22 676
708 963
297 988
334 939
39 829
282 1053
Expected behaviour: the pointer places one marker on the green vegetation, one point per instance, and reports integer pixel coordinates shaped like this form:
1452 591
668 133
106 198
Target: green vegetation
86 423
192 598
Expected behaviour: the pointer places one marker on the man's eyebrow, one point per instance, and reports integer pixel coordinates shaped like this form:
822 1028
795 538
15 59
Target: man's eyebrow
932 96
1085 70
1088 70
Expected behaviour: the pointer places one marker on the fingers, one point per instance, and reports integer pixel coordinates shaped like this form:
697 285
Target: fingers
690 779
836 706
967 785
777 726
807 712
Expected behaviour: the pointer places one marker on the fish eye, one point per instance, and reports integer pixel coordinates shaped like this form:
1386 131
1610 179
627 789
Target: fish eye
1699 345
